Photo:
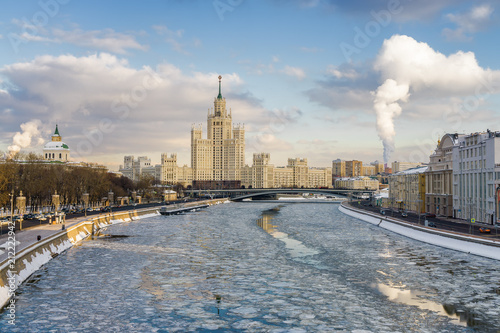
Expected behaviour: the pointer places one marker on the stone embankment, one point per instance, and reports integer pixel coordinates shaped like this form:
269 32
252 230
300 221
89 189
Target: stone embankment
23 253
476 245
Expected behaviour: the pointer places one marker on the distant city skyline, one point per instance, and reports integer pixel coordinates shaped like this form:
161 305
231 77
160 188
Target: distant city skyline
315 79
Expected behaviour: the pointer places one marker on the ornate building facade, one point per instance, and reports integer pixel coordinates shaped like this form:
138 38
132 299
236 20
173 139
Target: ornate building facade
407 190
295 175
476 177
221 156
56 149
218 161
439 177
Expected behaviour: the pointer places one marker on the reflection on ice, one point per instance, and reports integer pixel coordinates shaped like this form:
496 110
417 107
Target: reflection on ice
416 298
296 248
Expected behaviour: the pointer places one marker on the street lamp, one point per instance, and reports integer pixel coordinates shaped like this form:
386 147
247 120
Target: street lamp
85 198
21 206
11 206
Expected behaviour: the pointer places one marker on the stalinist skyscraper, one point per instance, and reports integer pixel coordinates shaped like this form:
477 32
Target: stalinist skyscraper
221 156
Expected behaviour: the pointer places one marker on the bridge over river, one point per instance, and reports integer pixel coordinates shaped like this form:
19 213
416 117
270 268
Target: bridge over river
272 193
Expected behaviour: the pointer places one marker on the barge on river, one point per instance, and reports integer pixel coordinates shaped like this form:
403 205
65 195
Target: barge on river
178 209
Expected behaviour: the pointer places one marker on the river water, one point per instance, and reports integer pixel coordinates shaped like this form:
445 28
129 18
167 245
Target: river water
258 267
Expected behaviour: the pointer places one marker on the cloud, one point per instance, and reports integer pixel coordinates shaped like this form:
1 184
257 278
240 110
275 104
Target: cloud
103 40
173 37
477 19
410 67
345 87
294 71
339 73
107 109
311 49
422 10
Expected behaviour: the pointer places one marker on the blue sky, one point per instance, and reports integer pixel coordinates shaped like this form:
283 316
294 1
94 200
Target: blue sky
367 80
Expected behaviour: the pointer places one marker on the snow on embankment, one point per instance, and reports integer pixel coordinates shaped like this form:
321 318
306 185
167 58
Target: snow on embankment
468 244
28 260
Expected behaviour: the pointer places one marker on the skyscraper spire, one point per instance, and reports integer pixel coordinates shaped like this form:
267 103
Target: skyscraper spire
220 95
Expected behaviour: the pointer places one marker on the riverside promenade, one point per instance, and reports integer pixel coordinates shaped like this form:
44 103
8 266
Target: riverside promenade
28 237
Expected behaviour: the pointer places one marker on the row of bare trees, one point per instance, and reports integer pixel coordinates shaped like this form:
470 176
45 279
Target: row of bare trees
39 180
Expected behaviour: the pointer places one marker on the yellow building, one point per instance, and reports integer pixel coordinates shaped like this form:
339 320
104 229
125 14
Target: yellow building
368 170
379 167
172 174
407 190
338 168
220 156
353 168
402 166
295 175
357 183
262 174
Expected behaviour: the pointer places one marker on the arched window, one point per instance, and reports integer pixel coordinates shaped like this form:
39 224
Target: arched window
53 155
45 155
60 155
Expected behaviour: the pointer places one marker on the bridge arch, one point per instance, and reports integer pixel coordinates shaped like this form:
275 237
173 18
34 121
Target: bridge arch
267 192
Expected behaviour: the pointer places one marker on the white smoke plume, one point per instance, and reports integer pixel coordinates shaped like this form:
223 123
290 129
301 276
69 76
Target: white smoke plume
407 65
30 135
387 108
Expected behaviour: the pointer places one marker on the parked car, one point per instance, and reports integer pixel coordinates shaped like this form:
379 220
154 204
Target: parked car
432 225
382 212
404 214
484 230
430 215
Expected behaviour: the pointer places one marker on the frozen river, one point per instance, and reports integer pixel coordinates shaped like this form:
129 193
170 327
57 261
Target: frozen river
259 267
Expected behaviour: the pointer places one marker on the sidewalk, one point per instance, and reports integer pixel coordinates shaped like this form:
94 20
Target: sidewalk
28 237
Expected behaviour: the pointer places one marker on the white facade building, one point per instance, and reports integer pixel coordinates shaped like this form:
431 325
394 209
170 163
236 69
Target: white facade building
476 176
134 169
56 149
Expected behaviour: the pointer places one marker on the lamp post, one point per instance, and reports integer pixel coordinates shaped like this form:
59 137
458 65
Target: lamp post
111 198
56 202
85 198
11 206
21 206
